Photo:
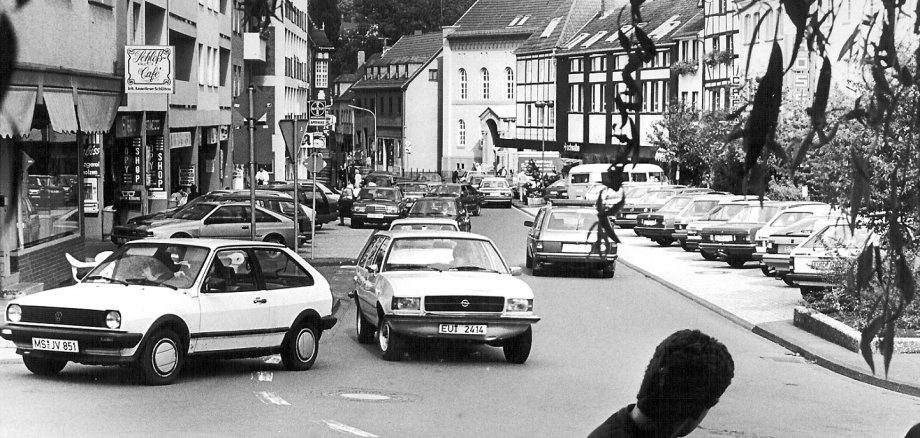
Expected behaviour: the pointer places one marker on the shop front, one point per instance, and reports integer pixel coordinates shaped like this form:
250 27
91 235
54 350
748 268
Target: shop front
136 166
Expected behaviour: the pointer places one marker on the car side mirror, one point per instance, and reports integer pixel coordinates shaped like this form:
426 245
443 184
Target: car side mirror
528 223
373 268
516 271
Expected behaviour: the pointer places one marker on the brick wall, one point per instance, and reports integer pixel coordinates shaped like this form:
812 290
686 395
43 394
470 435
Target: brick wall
48 265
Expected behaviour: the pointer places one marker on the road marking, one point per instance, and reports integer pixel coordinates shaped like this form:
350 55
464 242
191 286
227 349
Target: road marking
365 396
273 359
262 376
271 399
335 425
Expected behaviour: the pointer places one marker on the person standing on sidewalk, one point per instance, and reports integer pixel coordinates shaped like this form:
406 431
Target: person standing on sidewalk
687 375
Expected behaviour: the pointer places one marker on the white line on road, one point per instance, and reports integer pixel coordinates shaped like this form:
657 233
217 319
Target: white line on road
335 425
262 376
272 359
271 399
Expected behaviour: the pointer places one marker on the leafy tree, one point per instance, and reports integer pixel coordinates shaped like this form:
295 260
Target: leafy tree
345 56
395 18
326 13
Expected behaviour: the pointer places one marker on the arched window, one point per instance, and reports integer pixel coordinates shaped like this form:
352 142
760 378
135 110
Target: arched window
747 28
756 20
768 24
462 83
485 83
461 133
509 76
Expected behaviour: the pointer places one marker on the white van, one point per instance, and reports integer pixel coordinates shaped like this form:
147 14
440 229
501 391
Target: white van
583 177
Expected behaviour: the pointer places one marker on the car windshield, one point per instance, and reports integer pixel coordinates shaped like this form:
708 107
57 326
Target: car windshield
447 253
475 180
838 236
377 194
424 227
380 180
656 197
40 181
755 214
497 184
725 212
434 207
574 220
803 227
676 203
151 264
558 184
636 192
700 207
446 190
414 188
195 212
787 218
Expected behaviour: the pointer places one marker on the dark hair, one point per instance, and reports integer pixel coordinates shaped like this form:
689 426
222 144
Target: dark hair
687 374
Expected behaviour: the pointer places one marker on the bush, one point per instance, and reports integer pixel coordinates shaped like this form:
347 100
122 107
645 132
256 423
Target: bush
784 190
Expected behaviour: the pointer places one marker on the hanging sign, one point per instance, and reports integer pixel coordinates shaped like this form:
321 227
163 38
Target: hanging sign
149 69
91 154
156 176
131 167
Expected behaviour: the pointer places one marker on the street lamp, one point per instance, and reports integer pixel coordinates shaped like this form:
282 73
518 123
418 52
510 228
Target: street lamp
375 124
541 104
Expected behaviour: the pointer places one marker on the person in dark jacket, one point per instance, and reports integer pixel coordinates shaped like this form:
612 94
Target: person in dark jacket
687 375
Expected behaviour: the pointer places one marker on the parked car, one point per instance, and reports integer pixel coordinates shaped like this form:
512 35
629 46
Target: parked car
443 285
326 211
785 218
154 303
424 224
378 205
661 225
584 176
565 232
781 243
558 190
413 191
813 259
45 193
217 220
468 195
722 213
648 203
442 207
495 190
733 241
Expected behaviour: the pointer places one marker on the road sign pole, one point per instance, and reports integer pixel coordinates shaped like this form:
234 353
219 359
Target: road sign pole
313 222
296 198
252 167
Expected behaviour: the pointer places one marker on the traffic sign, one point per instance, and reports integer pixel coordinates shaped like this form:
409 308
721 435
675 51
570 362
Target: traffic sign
314 160
317 109
319 142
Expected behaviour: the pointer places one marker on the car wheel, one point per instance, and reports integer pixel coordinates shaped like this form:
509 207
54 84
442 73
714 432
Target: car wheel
162 358
766 271
664 241
180 236
300 350
608 270
528 260
517 349
363 328
319 226
709 256
736 263
683 246
538 269
389 341
788 280
43 367
356 223
274 238
635 230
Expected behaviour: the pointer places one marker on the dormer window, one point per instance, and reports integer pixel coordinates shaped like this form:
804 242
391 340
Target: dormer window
519 20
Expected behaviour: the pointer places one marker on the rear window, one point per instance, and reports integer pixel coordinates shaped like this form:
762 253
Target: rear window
581 178
656 197
700 207
789 218
494 184
576 220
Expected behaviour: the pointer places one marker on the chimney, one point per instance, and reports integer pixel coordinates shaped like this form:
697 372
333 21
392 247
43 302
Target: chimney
360 58
417 32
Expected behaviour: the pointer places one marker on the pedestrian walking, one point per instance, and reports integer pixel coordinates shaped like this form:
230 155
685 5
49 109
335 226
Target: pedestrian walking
358 180
687 375
455 177
262 177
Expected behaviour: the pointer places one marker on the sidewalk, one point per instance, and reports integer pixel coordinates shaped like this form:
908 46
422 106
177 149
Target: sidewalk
336 248
761 304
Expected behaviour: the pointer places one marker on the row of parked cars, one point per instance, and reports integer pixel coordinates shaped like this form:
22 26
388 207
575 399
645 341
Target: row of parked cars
796 241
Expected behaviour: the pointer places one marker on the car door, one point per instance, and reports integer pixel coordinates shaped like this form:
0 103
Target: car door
287 287
226 222
235 312
366 274
533 234
268 224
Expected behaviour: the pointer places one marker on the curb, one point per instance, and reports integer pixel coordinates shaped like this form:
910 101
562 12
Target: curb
839 368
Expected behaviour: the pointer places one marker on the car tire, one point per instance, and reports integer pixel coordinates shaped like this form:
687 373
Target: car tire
517 349
161 358
528 260
274 238
300 348
180 236
683 246
709 256
664 241
363 327
356 223
736 263
788 280
43 367
766 271
389 342
608 270
538 269
477 211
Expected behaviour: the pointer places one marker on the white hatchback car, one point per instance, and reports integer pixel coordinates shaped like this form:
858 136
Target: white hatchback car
155 301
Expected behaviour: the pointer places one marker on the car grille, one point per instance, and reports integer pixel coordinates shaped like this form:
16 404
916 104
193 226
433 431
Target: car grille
376 208
63 316
455 303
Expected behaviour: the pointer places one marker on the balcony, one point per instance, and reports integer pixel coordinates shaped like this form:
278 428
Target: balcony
254 47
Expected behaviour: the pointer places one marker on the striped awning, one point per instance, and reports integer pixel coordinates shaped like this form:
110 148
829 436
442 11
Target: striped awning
60 106
96 110
17 111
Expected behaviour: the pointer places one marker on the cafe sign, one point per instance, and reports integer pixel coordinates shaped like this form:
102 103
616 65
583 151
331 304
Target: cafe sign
150 69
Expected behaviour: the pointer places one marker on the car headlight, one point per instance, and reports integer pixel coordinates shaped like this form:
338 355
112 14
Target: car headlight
406 303
392 209
113 319
539 245
14 313
602 247
358 208
518 305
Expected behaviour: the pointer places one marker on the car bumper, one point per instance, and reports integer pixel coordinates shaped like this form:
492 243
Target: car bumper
380 218
557 257
328 322
680 234
779 262
96 346
426 326
496 200
732 250
655 232
809 280
625 223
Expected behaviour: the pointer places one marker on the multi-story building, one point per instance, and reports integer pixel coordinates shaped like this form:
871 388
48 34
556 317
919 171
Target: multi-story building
590 76
400 92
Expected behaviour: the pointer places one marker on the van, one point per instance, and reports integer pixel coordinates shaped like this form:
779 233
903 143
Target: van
583 177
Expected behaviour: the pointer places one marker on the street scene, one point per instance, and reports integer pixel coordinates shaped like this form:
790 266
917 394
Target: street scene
418 218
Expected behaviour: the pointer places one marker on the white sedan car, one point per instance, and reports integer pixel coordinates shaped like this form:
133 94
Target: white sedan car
441 284
156 301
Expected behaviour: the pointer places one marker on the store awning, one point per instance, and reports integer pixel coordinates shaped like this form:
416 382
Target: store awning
96 110
17 111
60 106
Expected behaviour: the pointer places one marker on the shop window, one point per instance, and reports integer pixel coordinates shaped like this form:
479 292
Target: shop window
51 186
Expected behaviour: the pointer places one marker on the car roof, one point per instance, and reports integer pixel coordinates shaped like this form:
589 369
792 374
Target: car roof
435 235
208 243
424 220
807 208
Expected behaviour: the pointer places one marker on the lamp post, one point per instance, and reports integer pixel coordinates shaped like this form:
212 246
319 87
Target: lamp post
541 104
375 123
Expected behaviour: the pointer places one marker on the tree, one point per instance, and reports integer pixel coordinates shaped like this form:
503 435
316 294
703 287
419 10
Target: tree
345 56
395 18
326 13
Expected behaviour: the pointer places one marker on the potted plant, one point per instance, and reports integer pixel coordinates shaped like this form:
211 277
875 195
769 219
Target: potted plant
684 67
538 182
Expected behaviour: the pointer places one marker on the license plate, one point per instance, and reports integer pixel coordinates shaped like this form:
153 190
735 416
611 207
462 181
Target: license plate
629 216
462 329
722 238
649 222
55 345
375 216
821 264
576 247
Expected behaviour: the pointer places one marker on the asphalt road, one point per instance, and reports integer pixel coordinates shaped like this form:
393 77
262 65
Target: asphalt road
590 351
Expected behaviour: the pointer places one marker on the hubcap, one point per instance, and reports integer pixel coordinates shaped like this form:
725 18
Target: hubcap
306 345
165 357
384 337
